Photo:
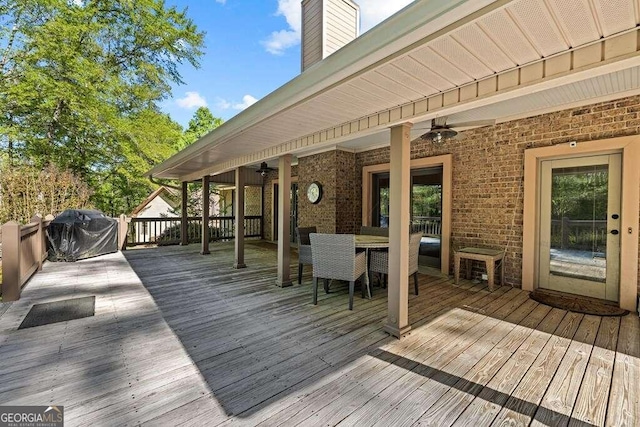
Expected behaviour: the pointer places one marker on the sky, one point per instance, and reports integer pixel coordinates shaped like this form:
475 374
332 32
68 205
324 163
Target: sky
252 47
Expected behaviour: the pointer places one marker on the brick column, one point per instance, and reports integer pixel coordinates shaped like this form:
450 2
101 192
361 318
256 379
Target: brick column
399 218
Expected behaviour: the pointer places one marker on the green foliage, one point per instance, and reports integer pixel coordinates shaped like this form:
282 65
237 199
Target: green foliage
426 200
27 190
579 198
580 194
80 86
202 122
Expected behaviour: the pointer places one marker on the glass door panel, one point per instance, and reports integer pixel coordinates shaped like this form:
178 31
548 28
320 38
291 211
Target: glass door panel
579 240
426 213
380 213
426 209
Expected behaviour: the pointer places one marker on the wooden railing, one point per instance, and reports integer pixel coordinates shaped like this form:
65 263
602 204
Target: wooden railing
167 230
428 225
578 234
24 250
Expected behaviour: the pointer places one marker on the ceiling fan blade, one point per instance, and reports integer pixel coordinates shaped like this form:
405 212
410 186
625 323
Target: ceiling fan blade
473 124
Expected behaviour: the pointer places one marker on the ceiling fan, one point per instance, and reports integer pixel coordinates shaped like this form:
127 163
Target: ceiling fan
440 131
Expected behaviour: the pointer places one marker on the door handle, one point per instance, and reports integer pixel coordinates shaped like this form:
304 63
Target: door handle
614 232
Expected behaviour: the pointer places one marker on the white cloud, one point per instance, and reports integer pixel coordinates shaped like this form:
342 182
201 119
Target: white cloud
222 104
221 1
372 12
191 100
247 101
281 40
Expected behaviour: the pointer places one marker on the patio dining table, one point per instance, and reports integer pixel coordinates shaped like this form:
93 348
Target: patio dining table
367 242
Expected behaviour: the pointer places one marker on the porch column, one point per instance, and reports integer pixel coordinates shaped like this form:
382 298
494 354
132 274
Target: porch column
284 219
205 215
239 226
184 224
399 217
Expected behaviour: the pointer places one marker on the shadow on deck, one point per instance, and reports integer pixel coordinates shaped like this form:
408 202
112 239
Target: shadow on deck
263 350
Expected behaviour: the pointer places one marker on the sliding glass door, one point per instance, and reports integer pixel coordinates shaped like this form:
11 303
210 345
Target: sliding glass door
426 209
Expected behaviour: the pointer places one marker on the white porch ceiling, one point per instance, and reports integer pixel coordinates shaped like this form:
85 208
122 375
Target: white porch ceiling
582 92
519 33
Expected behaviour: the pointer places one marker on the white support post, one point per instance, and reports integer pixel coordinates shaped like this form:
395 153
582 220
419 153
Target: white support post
399 218
284 219
239 226
205 215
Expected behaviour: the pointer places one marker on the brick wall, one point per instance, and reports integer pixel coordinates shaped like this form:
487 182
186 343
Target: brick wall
252 201
336 212
335 170
488 170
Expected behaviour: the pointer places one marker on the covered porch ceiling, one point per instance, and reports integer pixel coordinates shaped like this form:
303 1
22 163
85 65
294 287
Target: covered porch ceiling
467 60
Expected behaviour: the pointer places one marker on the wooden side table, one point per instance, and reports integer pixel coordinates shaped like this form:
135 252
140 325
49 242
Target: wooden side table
489 256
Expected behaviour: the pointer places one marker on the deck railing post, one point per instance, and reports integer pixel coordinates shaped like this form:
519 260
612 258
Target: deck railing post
37 248
123 230
45 239
11 253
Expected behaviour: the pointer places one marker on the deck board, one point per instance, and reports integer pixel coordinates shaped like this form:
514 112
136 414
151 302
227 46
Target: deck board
184 339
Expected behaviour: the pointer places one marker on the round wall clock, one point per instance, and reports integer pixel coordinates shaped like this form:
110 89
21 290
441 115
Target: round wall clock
314 192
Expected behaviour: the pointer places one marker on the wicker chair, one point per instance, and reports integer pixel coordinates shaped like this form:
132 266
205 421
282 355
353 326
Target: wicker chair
304 248
334 257
374 231
379 261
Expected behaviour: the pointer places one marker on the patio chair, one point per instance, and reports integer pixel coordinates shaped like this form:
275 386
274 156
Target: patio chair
334 257
304 248
379 261
374 231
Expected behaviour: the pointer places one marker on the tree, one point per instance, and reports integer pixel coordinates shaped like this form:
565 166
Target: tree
202 122
26 191
80 84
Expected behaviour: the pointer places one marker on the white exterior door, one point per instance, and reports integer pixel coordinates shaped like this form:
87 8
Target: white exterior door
579 242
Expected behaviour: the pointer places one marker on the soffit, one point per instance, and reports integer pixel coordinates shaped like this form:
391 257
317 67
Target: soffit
582 92
521 32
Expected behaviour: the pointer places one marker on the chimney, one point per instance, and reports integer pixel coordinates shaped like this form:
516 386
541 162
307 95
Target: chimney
327 25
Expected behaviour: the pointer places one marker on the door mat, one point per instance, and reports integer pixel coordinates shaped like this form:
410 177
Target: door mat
578 304
59 311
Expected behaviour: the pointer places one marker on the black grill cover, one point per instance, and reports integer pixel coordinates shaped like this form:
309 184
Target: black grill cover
79 234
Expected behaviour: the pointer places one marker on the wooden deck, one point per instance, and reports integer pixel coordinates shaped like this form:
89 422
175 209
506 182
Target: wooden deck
183 339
